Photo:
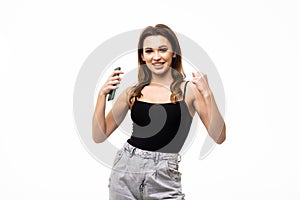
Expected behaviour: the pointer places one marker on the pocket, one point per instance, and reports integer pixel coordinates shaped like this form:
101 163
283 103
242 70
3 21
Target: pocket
172 168
118 157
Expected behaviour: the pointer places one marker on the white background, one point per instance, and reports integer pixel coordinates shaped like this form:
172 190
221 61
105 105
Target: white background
254 44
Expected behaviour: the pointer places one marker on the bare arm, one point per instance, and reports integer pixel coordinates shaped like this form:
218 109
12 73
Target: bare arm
102 127
207 109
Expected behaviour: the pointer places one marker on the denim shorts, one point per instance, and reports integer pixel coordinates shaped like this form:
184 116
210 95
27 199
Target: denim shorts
145 175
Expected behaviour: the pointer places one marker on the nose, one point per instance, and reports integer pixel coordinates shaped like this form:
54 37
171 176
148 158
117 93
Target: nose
156 55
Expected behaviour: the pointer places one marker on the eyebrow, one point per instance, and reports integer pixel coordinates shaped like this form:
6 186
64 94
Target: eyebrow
162 46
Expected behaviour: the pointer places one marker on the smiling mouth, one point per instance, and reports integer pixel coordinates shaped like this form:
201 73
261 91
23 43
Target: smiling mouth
158 65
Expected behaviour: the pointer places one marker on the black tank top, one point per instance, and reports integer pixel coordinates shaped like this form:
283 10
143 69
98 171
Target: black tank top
161 127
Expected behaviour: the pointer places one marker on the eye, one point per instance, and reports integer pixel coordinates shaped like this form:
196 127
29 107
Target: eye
163 49
148 50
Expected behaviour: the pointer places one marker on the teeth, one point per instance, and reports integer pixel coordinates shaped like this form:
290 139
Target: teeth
158 64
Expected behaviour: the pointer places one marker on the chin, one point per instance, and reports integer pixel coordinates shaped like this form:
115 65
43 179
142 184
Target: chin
157 72
160 71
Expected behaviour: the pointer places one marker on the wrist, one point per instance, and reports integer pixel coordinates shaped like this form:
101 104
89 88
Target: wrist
101 94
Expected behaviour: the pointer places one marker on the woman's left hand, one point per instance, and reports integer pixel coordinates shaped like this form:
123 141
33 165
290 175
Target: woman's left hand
201 82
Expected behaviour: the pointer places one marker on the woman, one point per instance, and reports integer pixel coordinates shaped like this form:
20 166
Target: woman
162 107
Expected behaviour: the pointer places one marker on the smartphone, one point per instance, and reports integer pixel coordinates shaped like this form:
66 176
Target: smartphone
111 94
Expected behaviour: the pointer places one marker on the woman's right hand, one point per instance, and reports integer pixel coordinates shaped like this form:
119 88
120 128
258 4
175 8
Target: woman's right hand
111 81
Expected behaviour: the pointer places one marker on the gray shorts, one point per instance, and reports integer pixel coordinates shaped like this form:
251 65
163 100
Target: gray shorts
145 175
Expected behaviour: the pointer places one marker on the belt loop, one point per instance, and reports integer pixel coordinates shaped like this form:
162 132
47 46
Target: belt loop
132 152
156 157
179 157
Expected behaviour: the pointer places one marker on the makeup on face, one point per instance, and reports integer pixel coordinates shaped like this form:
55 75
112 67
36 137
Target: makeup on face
157 52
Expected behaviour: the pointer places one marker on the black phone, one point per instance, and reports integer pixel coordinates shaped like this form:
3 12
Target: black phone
111 94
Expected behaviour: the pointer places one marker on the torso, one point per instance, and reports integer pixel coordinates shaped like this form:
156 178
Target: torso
159 124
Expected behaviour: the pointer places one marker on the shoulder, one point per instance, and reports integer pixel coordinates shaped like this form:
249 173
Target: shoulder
127 96
129 90
126 92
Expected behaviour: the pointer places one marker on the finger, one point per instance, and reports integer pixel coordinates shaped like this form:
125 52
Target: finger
111 87
197 78
115 78
113 82
116 82
194 81
117 72
198 74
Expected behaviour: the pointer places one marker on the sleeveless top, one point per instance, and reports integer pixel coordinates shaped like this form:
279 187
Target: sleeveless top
161 127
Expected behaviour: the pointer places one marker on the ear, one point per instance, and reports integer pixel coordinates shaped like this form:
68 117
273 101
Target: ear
174 55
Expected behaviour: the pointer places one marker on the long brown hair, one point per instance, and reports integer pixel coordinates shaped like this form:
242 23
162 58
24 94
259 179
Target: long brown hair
144 74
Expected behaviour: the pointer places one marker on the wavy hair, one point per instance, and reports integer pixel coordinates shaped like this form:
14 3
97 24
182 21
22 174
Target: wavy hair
144 74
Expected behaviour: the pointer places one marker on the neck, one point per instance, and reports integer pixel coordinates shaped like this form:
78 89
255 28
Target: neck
163 80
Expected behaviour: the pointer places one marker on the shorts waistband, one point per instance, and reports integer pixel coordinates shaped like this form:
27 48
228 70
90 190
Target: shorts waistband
150 154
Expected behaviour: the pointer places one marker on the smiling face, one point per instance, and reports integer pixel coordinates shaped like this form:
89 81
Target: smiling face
157 54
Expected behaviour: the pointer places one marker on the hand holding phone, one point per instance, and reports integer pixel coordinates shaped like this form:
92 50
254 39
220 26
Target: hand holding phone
111 94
